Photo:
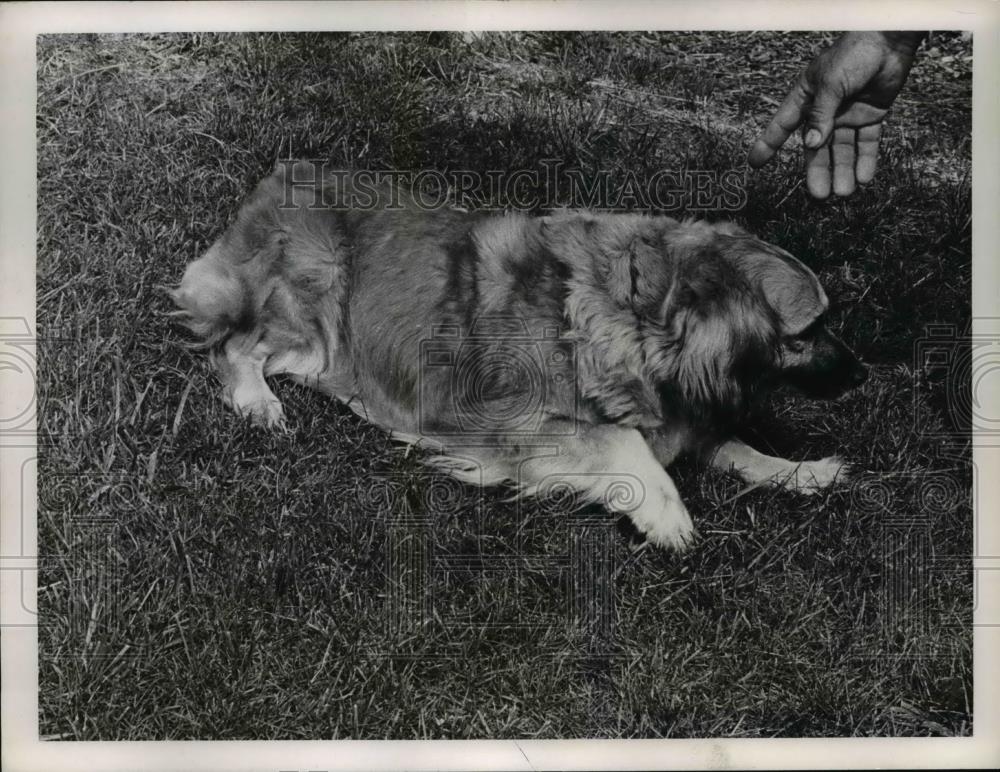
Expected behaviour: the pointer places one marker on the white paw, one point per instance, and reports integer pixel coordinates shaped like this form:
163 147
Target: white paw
268 414
810 477
256 402
670 527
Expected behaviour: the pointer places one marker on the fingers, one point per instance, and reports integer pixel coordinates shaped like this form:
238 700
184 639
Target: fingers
835 159
853 153
788 118
818 171
821 115
842 150
821 110
868 137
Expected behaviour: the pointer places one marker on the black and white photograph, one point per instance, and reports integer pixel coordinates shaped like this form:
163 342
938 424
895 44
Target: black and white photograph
503 384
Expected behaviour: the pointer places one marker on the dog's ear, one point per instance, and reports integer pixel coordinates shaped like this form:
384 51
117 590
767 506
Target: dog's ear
790 288
699 283
259 229
722 335
706 284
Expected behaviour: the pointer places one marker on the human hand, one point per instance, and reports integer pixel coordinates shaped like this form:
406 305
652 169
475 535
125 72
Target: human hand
845 92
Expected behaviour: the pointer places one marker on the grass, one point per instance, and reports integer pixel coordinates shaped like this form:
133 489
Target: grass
202 579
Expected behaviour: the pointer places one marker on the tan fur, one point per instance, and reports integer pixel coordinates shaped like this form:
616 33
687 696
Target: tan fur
651 336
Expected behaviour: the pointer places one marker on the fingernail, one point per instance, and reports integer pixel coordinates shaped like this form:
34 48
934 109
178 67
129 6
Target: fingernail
813 138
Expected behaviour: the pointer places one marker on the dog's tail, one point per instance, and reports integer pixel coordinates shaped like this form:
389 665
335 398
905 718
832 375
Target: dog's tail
212 300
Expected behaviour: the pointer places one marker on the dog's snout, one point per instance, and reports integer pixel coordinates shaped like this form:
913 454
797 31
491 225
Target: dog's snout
830 369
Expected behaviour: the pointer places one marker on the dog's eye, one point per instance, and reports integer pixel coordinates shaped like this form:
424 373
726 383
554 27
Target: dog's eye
801 341
795 344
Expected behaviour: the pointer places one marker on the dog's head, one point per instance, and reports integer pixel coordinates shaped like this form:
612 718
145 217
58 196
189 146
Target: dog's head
811 358
743 315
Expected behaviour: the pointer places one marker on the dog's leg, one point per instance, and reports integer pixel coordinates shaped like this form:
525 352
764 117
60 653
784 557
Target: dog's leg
241 368
598 462
665 445
755 467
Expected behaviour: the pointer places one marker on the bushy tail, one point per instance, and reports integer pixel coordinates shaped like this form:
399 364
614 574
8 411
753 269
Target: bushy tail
212 300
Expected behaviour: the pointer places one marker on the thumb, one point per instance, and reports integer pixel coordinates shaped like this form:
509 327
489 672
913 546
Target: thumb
819 123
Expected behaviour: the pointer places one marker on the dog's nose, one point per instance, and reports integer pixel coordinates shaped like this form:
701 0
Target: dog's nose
859 375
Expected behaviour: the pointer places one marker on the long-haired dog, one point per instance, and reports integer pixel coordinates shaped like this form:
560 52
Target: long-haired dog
578 345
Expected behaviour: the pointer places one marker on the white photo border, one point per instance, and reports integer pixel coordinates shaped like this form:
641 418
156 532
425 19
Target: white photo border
21 22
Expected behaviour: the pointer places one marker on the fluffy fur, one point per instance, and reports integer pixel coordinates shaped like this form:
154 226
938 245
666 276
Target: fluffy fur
579 347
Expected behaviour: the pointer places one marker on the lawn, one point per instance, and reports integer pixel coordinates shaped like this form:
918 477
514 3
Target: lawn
204 579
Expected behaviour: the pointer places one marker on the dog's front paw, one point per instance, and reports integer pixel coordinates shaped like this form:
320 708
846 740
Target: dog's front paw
268 414
258 404
671 528
811 477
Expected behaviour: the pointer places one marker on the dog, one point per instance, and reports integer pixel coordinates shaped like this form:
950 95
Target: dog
519 348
